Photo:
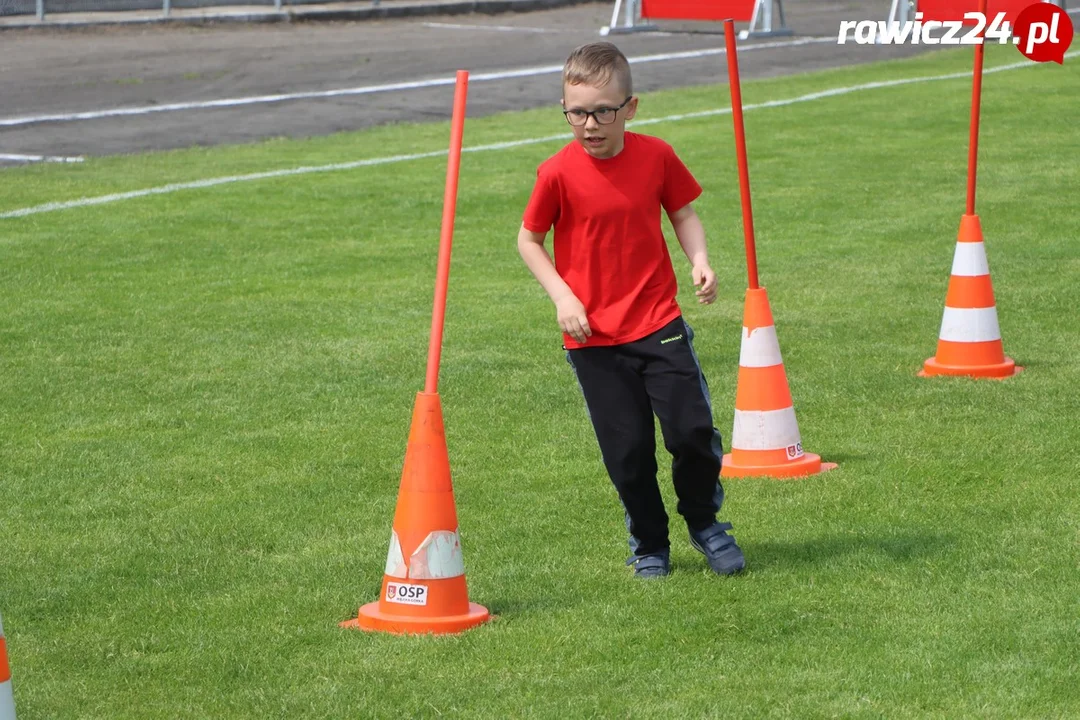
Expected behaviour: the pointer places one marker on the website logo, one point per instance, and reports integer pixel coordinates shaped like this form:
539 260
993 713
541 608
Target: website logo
1043 31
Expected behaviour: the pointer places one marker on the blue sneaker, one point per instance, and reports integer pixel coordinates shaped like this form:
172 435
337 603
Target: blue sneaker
651 566
719 548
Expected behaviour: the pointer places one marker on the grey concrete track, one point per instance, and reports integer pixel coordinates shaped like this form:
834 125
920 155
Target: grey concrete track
63 72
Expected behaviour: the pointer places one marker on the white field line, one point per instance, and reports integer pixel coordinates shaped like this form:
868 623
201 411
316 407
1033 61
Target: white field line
212 182
490 28
371 89
40 158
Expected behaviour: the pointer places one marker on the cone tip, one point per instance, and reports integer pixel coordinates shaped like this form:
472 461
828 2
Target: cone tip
970 229
756 312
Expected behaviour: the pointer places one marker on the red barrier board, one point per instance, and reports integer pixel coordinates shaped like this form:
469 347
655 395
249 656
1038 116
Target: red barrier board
942 10
738 10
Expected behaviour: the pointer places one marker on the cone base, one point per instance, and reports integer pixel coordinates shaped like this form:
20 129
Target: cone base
372 620
808 464
996 371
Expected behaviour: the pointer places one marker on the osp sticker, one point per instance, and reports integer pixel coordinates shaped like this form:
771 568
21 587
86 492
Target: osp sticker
406 594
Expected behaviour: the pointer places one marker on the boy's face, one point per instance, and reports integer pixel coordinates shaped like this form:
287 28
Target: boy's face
601 140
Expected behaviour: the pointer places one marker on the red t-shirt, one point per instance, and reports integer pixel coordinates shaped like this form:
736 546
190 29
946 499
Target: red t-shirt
609 247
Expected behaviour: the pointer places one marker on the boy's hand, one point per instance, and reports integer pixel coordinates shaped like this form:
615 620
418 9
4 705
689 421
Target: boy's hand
703 275
572 320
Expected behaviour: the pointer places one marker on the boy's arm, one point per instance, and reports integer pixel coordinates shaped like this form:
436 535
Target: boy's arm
569 310
691 234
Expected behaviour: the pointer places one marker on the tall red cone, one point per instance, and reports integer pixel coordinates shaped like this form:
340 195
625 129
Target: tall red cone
765 440
7 700
969 342
423 588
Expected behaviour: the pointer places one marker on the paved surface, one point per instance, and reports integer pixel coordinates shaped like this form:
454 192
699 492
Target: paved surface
134 67
266 12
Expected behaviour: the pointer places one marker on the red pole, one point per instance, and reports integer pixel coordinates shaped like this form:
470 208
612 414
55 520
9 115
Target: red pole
442 276
976 100
740 149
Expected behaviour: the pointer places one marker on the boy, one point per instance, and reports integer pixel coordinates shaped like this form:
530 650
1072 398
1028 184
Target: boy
614 290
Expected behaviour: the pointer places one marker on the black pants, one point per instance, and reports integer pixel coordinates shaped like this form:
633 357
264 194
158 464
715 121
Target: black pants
624 386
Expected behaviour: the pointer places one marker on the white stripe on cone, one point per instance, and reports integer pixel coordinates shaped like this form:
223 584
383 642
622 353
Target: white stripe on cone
7 702
760 348
970 260
439 556
395 562
7 699
970 324
765 429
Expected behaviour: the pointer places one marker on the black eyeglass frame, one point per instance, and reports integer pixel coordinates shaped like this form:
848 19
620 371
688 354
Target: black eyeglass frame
566 114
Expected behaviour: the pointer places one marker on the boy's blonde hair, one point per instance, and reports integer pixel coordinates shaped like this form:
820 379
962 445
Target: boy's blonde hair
595 64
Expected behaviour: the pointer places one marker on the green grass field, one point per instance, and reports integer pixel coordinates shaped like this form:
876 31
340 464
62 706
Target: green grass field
205 396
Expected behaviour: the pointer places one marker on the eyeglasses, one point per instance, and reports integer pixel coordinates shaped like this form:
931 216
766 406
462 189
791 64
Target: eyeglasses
604 115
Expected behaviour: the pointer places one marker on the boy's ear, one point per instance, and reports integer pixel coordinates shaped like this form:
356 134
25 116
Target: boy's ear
562 101
631 108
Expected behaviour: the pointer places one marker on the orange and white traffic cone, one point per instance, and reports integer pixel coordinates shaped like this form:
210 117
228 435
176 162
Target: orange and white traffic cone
7 700
765 440
423 588
969 342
